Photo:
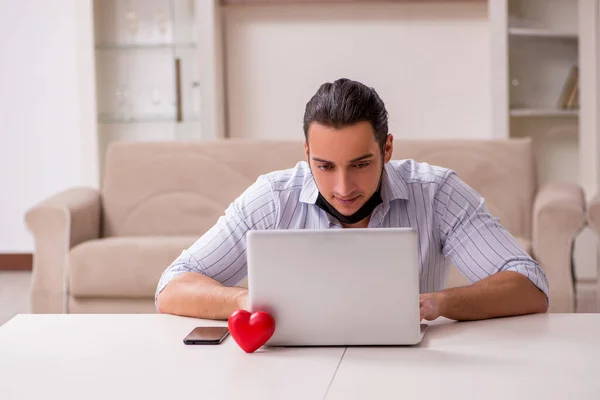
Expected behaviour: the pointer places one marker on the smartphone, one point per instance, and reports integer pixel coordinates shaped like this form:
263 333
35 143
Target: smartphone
207 335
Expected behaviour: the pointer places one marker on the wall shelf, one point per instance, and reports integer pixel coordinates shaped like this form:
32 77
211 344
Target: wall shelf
144 46
150 119
541 33
536 46
542 112
143 120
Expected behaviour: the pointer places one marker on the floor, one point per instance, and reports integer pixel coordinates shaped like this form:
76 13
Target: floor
14 296
587 301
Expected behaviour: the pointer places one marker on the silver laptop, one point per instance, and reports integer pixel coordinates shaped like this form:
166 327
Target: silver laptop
337 287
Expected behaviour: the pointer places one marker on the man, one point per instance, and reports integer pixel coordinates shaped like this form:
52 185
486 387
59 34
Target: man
348 181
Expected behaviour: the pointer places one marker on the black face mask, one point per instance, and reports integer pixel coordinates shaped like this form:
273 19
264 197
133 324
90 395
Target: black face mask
359 215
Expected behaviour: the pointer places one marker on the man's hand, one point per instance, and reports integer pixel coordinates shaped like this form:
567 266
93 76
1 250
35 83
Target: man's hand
503 294
431 305
241 300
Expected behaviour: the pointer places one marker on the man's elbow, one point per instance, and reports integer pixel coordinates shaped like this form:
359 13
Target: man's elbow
538 301
542 303
162 303
534 300
159 306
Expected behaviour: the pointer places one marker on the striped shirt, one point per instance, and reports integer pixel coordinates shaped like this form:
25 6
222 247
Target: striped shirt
451 219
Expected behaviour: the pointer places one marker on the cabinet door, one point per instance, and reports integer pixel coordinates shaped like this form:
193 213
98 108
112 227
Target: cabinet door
146 71
146 61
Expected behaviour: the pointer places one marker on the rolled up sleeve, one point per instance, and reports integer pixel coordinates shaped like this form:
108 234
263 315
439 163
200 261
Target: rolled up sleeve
475 240
221 252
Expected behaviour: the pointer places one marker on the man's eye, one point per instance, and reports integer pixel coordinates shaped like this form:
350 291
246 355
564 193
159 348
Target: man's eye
323 167
361 165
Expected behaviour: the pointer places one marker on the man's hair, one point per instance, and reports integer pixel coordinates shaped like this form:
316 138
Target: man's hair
344 103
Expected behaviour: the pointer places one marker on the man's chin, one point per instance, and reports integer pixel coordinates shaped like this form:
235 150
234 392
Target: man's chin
347 209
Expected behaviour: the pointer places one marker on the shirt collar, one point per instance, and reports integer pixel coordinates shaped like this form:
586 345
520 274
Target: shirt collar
392 187
309 192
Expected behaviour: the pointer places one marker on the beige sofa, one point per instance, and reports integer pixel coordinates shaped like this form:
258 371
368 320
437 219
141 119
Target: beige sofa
593 216
103 251
593 213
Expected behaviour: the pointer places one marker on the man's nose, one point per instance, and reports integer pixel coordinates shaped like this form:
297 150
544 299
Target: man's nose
344 185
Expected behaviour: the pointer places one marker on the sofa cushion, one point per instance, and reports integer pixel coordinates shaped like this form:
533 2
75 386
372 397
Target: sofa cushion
181 188
122 267
93 305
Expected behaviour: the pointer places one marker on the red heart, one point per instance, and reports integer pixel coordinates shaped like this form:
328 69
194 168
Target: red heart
250 331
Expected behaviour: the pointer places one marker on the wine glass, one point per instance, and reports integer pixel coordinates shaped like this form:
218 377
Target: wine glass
160 23
123 103
131 22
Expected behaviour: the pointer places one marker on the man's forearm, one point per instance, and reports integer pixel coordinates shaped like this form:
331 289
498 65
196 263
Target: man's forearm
503 294
195 295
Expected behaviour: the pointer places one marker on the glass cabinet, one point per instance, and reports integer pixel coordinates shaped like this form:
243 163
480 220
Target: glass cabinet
146 69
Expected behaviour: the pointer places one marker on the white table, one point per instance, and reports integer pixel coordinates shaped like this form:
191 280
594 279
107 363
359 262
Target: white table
143 357
554 356
549 356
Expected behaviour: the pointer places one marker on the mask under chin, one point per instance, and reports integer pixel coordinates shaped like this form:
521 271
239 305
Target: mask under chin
358 216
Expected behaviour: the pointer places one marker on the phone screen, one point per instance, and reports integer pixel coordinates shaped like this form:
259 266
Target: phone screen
207 335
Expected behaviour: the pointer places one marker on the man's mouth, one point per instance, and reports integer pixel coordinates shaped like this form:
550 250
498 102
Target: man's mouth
347 200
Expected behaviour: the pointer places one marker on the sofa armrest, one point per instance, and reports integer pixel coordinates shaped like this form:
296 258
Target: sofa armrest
593 213
58 224
558 216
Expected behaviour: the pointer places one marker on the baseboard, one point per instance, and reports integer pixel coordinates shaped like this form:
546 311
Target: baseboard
16 262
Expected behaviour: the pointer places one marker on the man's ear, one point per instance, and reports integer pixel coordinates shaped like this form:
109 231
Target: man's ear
388 148
306 151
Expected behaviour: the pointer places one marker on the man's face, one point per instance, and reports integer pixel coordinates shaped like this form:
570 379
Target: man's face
346 163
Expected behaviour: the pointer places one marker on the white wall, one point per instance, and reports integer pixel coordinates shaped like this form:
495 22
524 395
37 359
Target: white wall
40 110
430 63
